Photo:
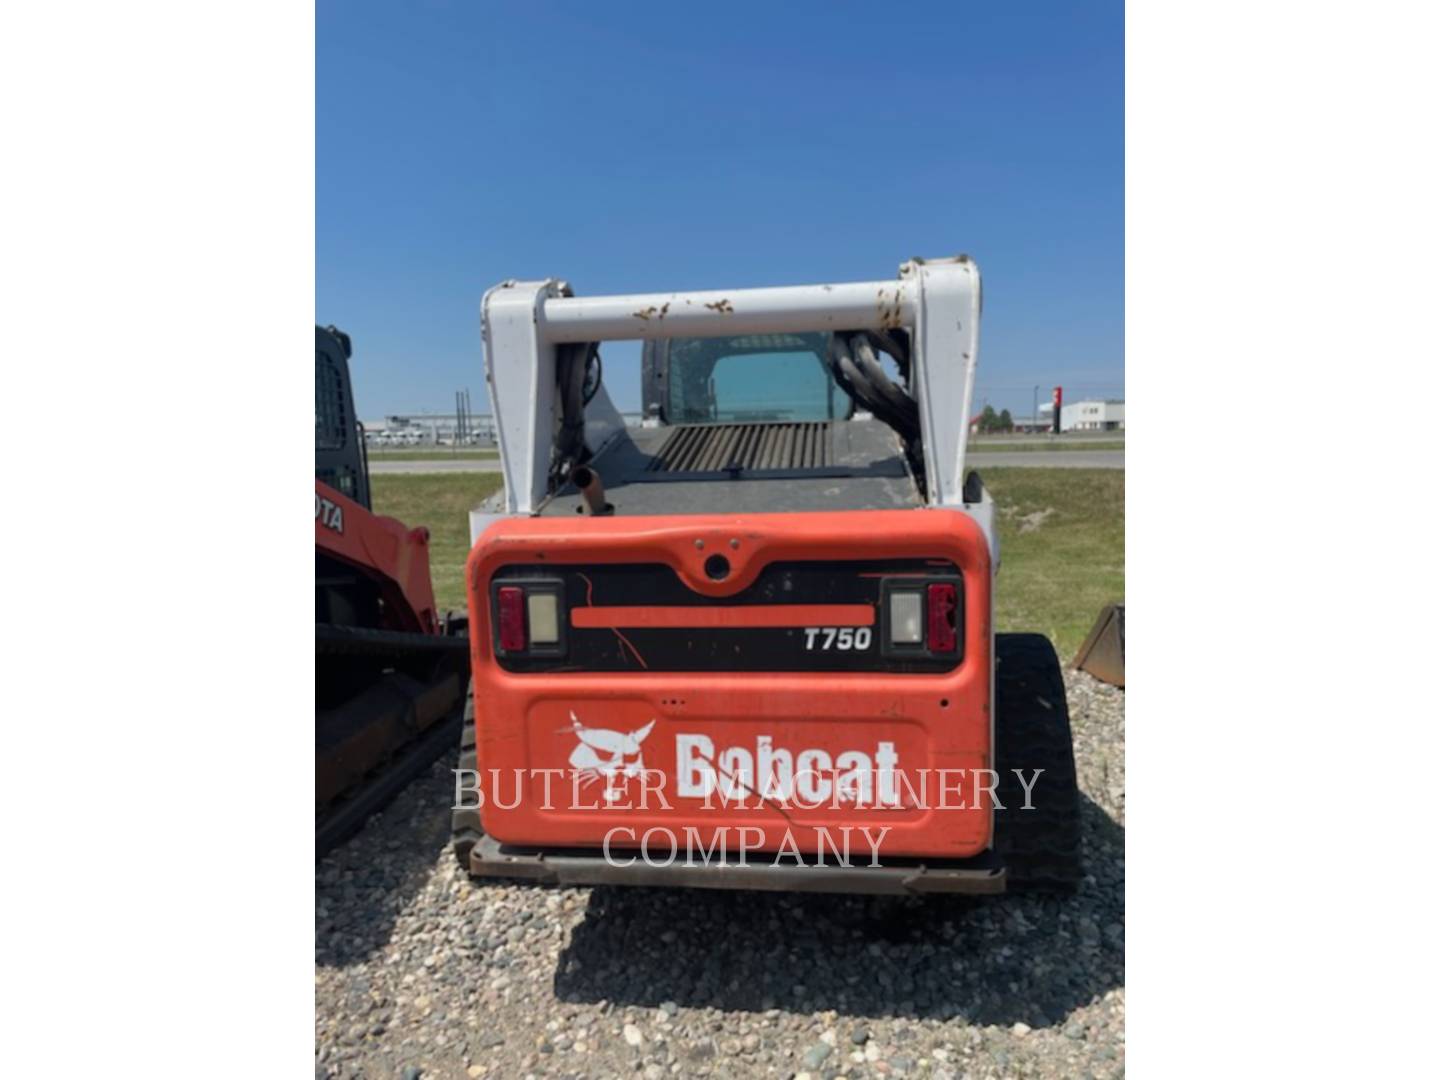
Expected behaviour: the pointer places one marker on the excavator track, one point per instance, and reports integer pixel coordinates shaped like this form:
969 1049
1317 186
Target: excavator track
394 704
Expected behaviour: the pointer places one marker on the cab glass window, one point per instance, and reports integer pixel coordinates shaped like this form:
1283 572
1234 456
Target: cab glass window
752 378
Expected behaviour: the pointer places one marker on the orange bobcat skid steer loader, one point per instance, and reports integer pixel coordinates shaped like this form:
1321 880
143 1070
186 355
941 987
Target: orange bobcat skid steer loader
749 643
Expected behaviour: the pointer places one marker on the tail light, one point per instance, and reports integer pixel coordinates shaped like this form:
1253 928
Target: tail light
940 629
921 618
529 617
511 618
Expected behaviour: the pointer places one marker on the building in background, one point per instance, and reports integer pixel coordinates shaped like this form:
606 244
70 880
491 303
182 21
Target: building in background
1106 415
1033 425
439 429
1093 416
429 429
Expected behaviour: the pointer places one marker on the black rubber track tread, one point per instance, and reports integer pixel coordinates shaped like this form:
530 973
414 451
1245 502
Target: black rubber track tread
347 816
465 827
1040 847
339 640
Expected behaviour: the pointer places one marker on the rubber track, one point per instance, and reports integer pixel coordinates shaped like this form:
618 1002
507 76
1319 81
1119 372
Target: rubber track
465 827
1040 847
345 817
336 640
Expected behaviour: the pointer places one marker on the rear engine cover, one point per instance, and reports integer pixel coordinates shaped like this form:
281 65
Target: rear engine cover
729 680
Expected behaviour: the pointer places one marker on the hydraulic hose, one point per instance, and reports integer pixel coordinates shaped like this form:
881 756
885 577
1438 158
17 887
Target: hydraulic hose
852 360
570 449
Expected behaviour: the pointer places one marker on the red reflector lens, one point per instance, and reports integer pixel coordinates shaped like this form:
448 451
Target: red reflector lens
512 618
940 619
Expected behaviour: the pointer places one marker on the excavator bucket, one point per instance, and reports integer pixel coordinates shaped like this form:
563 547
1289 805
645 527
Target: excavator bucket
1103 654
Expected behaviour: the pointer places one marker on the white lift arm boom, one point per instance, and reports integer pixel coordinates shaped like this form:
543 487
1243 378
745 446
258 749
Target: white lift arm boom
938 300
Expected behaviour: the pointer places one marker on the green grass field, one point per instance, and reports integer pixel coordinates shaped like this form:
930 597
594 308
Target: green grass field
442 503
433 454
1062 541
1062 549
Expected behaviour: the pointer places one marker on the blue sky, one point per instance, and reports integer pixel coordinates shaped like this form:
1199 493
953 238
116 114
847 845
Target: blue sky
645 147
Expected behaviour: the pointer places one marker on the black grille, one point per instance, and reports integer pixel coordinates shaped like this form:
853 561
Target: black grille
730 447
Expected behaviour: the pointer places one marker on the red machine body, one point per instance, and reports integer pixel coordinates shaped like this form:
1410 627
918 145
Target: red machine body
536 720
395 557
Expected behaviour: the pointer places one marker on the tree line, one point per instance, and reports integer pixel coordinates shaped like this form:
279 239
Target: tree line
992 422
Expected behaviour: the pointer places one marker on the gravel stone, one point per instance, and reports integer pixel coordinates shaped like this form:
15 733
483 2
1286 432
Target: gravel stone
421 972
816 1055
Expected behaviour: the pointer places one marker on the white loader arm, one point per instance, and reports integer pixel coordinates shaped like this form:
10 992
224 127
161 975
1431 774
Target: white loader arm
522 322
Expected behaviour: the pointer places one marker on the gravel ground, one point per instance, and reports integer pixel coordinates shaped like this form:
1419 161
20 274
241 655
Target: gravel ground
420 972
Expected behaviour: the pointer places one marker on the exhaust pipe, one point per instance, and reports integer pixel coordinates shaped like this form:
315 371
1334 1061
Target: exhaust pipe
587 482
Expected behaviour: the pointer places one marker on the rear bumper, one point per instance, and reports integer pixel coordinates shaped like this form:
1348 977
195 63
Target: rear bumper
978 876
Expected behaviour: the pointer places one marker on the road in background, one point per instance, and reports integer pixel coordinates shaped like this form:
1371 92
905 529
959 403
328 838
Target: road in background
1047 459
1070 438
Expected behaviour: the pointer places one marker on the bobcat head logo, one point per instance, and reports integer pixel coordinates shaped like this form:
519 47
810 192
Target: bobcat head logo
607 755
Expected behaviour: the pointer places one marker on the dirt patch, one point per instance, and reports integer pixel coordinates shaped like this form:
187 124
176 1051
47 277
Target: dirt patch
1031 522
